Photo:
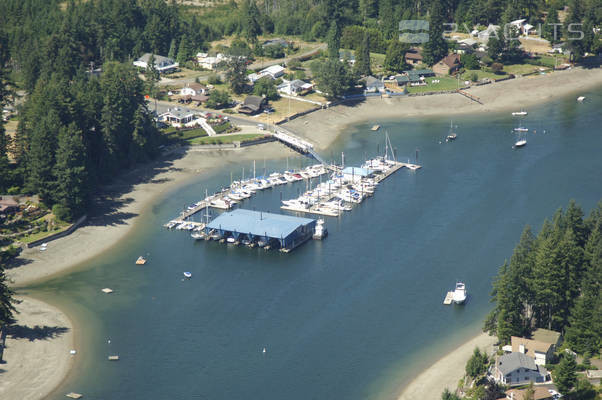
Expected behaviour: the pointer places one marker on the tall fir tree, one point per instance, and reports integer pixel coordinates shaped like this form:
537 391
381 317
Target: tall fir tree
436 47
71 175
362 57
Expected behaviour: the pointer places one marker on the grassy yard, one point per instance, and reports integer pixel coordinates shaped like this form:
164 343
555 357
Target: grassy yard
40 235
225 139
467 75
445 83
284 107
174 135
520 69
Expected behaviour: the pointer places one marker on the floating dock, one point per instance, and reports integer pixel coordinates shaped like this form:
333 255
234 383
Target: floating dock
275 230
449 297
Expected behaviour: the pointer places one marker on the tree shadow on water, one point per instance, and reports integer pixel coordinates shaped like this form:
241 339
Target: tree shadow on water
35 333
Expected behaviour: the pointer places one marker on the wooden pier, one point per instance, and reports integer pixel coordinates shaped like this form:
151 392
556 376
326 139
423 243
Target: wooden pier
470 96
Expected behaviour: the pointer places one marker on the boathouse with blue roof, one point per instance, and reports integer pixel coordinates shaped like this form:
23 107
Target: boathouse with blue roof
284 231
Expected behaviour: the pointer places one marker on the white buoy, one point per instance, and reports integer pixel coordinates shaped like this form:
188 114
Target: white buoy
264 350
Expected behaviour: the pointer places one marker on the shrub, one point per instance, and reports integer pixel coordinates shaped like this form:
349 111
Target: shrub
61 212
214 79
497 68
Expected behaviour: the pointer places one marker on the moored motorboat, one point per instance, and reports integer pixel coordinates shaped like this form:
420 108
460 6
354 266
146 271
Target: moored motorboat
459 296
187 275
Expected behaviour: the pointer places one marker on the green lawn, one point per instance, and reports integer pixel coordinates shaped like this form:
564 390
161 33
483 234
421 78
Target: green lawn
40 235
186 135
520 69
225 139
467 75
445 83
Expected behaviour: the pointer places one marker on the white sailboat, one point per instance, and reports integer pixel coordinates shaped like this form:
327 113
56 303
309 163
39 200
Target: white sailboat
451 135
520 113
521 142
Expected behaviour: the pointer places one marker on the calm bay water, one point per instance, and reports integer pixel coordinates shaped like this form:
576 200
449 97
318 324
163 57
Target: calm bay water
353 317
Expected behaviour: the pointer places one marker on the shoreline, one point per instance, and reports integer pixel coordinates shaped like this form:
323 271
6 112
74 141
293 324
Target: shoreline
445 372
36 357
509 95
132 194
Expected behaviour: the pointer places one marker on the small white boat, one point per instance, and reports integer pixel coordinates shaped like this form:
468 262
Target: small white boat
320 231
459 293
451 135
520 143
197 236
520 113
230 240
187 275
580 99
521 129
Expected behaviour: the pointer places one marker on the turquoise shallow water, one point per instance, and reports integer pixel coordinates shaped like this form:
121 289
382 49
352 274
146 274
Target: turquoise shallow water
354 316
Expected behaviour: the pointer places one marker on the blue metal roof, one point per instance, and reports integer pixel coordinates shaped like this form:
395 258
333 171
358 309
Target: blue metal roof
258 223
357 171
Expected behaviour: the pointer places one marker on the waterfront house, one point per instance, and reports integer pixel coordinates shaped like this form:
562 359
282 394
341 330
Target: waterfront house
518 369
540 393
373 85
541 352
547 336
255 77
485 34
522 26
413 56
295 87
162 64
448 65
252 105
177 117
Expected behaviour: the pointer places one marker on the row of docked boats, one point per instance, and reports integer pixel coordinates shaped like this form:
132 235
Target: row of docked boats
244 189
342 190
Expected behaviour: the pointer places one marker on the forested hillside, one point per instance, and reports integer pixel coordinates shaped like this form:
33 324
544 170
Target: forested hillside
553 281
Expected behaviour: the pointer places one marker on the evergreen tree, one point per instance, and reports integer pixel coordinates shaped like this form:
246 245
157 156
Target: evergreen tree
550 31
152 76
333 77
333 38
362 58
388 21
172 49
185 50
395 57
477 364
436 47
7 308
565 376
71 174
250 18
237 75
266 87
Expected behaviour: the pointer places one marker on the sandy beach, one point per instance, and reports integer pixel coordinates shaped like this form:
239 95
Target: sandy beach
323 127
36 357
446 372
122 204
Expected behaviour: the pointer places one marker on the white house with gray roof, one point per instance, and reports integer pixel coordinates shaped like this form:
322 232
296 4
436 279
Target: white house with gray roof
519 369
177 116
162 64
